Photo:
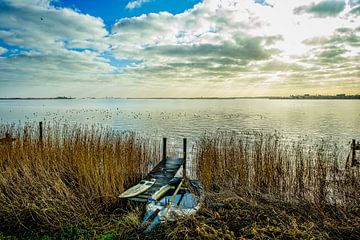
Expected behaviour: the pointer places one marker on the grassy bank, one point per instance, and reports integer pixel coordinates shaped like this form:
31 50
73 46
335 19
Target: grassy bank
224 215
227 215
258 186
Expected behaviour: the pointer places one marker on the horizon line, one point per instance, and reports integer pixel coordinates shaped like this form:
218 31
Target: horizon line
304 96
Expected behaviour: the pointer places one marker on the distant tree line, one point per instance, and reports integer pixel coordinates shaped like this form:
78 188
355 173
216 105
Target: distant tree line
308 96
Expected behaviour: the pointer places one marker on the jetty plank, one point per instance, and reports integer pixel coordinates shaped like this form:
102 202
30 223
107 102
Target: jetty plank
163 173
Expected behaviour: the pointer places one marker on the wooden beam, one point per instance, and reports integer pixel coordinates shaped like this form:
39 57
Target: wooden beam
164 149
184 156
40 132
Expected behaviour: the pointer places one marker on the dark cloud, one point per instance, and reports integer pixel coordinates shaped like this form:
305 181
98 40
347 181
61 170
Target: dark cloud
244 48
341 37
332 54
327 8
350 39
344 30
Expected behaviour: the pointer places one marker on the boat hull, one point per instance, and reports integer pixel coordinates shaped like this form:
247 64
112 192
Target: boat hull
138 189
185 203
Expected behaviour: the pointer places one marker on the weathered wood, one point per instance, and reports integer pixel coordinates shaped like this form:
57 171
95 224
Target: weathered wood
163 173
354 146
164 149
173 197
40 132
184 156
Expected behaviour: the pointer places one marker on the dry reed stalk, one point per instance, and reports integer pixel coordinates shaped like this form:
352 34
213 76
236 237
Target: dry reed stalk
76 172
266 164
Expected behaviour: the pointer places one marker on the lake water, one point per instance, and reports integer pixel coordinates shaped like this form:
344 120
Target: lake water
339 119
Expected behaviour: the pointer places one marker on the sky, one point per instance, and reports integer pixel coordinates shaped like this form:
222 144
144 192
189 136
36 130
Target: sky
187 48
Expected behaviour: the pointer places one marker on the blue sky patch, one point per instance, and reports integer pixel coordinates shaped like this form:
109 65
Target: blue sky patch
112 10
264 3
12 50
120 62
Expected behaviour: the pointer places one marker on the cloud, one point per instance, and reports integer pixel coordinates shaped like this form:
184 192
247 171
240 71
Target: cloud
226 47
70 65
245 48
51 46
327 8
45 28
233 41
136 4
353 3
3 50
356 10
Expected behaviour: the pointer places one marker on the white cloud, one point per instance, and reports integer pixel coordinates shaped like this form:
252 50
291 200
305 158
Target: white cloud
136 4
228 41
43 39
34 3
227 47
3 50
45 28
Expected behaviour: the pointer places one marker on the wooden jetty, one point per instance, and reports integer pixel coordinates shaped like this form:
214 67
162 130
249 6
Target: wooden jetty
163 173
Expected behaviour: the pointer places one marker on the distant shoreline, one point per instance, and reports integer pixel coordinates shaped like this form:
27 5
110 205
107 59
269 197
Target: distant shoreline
30 98
340 97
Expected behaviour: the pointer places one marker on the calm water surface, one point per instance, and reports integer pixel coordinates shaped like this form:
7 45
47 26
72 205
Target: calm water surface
339 119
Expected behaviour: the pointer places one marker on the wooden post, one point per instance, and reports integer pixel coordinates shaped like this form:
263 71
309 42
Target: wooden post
353 147
184 155
40 132
164 149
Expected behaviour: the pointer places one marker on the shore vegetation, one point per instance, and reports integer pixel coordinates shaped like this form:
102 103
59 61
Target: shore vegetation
64 183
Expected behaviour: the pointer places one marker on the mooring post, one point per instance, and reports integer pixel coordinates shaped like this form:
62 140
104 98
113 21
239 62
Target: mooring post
40 132
184 155
164 149
353 148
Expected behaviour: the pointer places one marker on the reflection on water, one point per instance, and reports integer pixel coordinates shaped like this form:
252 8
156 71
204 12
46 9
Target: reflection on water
338 119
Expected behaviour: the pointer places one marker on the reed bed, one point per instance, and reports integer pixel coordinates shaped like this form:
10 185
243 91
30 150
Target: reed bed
254 164
257 185
69 176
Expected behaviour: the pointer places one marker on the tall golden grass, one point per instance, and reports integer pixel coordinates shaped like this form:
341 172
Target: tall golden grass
74 173
257 163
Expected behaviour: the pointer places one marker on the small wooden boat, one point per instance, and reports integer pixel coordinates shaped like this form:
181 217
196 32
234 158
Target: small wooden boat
141 187
184 200
162 191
